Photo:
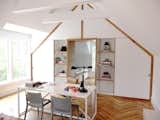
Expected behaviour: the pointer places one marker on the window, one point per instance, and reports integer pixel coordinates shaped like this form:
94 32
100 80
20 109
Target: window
20 57
3 60
14 56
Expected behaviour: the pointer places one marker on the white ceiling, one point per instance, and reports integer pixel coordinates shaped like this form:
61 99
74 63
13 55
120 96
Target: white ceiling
34 19
139 18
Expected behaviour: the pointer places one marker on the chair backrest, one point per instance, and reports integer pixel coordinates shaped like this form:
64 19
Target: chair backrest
34 99
61 104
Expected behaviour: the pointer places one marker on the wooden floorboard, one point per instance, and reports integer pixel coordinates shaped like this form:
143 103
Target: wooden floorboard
119 108
108 108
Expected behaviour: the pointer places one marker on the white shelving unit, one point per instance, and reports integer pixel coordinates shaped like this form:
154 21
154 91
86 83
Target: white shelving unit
105 66
60 62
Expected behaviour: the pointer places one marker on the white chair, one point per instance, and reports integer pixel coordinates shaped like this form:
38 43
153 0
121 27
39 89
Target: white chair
35 100
62 105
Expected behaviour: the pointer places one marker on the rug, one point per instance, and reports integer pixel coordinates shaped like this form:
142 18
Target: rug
7 117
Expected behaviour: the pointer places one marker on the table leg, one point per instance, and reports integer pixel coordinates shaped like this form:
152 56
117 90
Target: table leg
86 108
94 103
18 97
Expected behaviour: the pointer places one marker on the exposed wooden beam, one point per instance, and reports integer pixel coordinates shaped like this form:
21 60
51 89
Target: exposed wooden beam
74 8
129 37
82 29
151 75
140 46
53 30
89 5
82 7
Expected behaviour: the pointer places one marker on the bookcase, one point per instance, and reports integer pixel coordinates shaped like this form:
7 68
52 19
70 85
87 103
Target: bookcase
60 61
105 66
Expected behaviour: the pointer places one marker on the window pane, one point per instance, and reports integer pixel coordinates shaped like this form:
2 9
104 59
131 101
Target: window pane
21 58
3 60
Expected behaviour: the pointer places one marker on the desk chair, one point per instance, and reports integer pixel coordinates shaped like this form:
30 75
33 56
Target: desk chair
62 105
35 100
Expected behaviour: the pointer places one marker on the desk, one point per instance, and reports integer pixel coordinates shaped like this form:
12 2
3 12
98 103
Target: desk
59 89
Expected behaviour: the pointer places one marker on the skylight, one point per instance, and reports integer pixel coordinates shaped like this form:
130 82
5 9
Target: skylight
21 29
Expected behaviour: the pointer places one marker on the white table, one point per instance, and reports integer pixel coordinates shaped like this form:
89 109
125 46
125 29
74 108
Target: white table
59 89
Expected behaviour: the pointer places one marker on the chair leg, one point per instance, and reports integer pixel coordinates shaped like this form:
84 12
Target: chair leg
70 117
51 116
51 111
78 114
26 112
61 116
38 112
42 114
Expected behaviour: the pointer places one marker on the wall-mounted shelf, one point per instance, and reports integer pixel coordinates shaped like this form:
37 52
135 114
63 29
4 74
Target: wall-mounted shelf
106 51
105 66
105 79
60 76
60 63
60 52
60 60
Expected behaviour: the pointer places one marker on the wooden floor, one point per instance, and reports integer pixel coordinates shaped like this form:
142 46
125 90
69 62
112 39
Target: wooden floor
118 108
108 108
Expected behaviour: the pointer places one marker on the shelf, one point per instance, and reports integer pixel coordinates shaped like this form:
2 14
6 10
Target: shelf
61 52
104 79
60 64
106 51
105 65
61 76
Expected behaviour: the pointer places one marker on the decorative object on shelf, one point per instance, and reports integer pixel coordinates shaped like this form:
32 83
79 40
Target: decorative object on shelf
63 48
61 74
107 62
63 71
58 59
107 46
106 75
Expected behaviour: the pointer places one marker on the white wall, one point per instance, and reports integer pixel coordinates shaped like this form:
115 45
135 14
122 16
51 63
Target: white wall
132 69
92 29
156 83
43 62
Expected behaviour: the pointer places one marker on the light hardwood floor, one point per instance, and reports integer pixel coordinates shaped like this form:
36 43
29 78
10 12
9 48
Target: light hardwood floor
119 108
109 108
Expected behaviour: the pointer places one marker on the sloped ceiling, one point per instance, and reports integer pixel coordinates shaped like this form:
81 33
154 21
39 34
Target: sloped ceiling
139 18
